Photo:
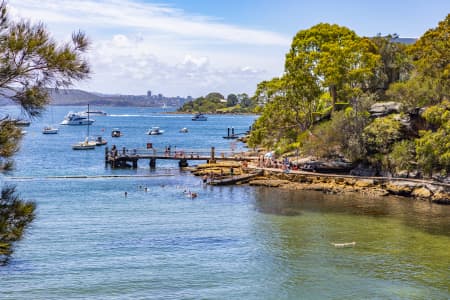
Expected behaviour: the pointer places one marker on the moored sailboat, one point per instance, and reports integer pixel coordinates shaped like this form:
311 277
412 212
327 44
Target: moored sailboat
86 144
50 129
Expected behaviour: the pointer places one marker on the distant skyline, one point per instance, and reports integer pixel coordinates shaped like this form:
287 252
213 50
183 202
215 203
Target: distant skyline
181 48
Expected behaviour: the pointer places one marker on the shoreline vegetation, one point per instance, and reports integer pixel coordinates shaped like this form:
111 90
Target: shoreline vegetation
216 103
373 103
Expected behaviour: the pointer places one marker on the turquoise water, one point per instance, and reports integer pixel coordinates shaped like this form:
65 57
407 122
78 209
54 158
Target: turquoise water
89 241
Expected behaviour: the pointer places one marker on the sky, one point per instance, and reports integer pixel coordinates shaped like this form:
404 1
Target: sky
181 48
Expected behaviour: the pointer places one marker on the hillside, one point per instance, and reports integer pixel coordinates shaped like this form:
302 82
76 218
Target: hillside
79 97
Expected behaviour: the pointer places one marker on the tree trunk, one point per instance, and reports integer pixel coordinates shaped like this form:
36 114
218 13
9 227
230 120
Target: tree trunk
333 95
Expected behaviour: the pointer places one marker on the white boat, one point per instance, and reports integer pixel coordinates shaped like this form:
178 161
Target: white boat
199 117
86 144
50 130
77 119
155 131
93 113
184 130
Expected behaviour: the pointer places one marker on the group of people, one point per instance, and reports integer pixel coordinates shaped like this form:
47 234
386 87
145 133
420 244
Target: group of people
270 162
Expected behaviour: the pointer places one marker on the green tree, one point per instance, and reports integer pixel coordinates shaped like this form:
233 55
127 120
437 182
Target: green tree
15 215
381 134
402 156
335 59
418 91
431 52
214 97
342 135
431 57
232 100
30 63
433 146
396 64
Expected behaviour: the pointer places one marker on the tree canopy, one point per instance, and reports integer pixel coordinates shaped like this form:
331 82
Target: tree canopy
321 104
334 58
215 103
30 63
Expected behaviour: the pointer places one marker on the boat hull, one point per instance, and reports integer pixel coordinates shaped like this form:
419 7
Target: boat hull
50 131
82 122
84 146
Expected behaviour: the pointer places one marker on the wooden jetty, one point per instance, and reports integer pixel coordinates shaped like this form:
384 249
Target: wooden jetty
128 158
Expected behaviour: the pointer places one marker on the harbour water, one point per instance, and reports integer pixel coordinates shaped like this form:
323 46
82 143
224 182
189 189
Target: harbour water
89 241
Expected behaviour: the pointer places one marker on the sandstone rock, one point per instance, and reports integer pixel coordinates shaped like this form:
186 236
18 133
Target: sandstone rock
269 182
384 108
364 183
400 188
421 192
349 181
441 198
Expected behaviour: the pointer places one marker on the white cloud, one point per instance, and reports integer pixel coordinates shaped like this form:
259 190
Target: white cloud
155 17
139 46
119 40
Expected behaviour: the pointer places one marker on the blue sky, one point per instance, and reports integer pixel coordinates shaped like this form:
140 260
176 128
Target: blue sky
408 18
195 47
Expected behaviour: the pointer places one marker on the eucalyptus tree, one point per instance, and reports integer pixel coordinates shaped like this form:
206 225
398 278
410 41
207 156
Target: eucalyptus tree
323 59
31 61
336 59
396 64
429 81
431 56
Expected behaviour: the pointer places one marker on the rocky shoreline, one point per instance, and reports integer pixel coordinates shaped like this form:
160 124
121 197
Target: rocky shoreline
375 186
434 192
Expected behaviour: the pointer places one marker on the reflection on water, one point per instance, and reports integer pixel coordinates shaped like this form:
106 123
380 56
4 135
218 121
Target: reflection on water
433 218
401 245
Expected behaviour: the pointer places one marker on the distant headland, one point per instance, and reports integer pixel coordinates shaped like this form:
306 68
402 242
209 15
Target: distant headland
80 97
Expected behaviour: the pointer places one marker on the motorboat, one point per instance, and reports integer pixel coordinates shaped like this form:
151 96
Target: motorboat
155 131
50 130
116 132
93 113
85 145
100 141
184 130
77 119
199 117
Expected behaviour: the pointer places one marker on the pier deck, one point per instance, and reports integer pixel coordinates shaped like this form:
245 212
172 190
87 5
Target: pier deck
129 157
